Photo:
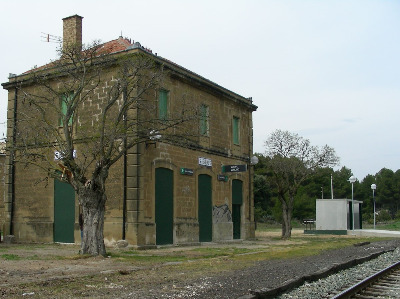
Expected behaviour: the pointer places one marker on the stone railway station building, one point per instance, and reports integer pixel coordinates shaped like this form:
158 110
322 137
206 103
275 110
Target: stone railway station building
159 192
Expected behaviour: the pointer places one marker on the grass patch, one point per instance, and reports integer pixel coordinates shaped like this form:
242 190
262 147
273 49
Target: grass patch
303 245
276 226
34 257
10 257
179 256
210 252
235 257
390 226
77 257
146 258
266 227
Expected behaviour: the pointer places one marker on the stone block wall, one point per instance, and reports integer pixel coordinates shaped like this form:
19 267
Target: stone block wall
186 227
3 214
34 197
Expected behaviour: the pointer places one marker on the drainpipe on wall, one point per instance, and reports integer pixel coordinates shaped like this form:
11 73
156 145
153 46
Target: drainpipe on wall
137 180
138 191
124 174
12 162
124 195
249 191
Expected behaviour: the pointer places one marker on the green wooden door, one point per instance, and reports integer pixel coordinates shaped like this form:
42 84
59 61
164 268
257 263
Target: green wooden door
236 221
205 208
64 212
350 224
164 206
237 200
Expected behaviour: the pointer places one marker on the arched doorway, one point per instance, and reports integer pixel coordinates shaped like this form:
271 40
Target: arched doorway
237 200
204 192
164 206
64 212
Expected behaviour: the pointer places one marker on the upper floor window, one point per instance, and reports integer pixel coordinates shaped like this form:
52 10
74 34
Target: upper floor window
163 104
204 116
235 130
64 101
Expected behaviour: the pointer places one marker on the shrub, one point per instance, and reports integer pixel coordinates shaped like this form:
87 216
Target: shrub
368 216
383 216
259 214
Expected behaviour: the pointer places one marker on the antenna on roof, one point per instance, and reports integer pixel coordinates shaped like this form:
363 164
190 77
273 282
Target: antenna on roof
48 38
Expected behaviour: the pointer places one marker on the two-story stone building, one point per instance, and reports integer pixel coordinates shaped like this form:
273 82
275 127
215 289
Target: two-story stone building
159 192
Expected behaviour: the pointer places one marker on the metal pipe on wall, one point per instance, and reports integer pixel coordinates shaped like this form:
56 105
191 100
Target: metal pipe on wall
12 162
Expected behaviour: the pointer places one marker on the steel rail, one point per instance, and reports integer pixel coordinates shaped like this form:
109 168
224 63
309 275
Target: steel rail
366 282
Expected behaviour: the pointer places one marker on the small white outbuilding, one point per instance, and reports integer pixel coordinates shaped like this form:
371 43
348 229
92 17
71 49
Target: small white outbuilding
336 215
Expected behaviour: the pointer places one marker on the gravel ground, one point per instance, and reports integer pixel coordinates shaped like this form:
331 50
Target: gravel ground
273 274
334 284
94 278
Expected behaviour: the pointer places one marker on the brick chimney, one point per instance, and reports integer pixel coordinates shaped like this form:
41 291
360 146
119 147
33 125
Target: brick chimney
72 32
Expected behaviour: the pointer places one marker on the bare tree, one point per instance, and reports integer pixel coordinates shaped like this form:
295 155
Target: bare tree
292 160
83 112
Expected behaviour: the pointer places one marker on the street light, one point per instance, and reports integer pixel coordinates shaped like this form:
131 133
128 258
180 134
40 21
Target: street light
373 187
254 160
352 180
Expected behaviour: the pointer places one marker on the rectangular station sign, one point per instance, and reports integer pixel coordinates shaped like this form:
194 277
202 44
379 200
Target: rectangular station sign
186 171
221 177
234 168
205 162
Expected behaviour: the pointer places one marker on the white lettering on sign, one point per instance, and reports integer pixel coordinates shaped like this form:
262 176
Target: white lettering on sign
235 168
205 162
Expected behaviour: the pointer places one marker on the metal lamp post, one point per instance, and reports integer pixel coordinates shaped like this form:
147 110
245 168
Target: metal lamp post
352 180
373 187
253 161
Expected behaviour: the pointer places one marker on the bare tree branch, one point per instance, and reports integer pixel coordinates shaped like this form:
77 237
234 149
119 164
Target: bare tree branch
92 108
292 160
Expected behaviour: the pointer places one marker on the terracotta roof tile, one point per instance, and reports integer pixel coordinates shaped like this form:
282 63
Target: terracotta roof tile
113 46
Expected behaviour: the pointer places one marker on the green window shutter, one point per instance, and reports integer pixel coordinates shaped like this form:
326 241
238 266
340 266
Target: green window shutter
65 99
235 130
63 109
204 120
163 104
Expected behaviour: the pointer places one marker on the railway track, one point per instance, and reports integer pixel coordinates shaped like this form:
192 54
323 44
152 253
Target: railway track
383 284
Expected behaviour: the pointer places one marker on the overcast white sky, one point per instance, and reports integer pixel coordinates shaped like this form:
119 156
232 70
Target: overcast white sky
327 70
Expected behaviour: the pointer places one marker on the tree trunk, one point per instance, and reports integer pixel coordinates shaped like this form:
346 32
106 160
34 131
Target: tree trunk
93 208
286 223
287 210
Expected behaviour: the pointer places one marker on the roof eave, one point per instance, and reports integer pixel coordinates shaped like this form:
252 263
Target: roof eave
180 72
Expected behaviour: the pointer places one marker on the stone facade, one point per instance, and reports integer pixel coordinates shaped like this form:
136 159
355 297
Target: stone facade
2 190
191 175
